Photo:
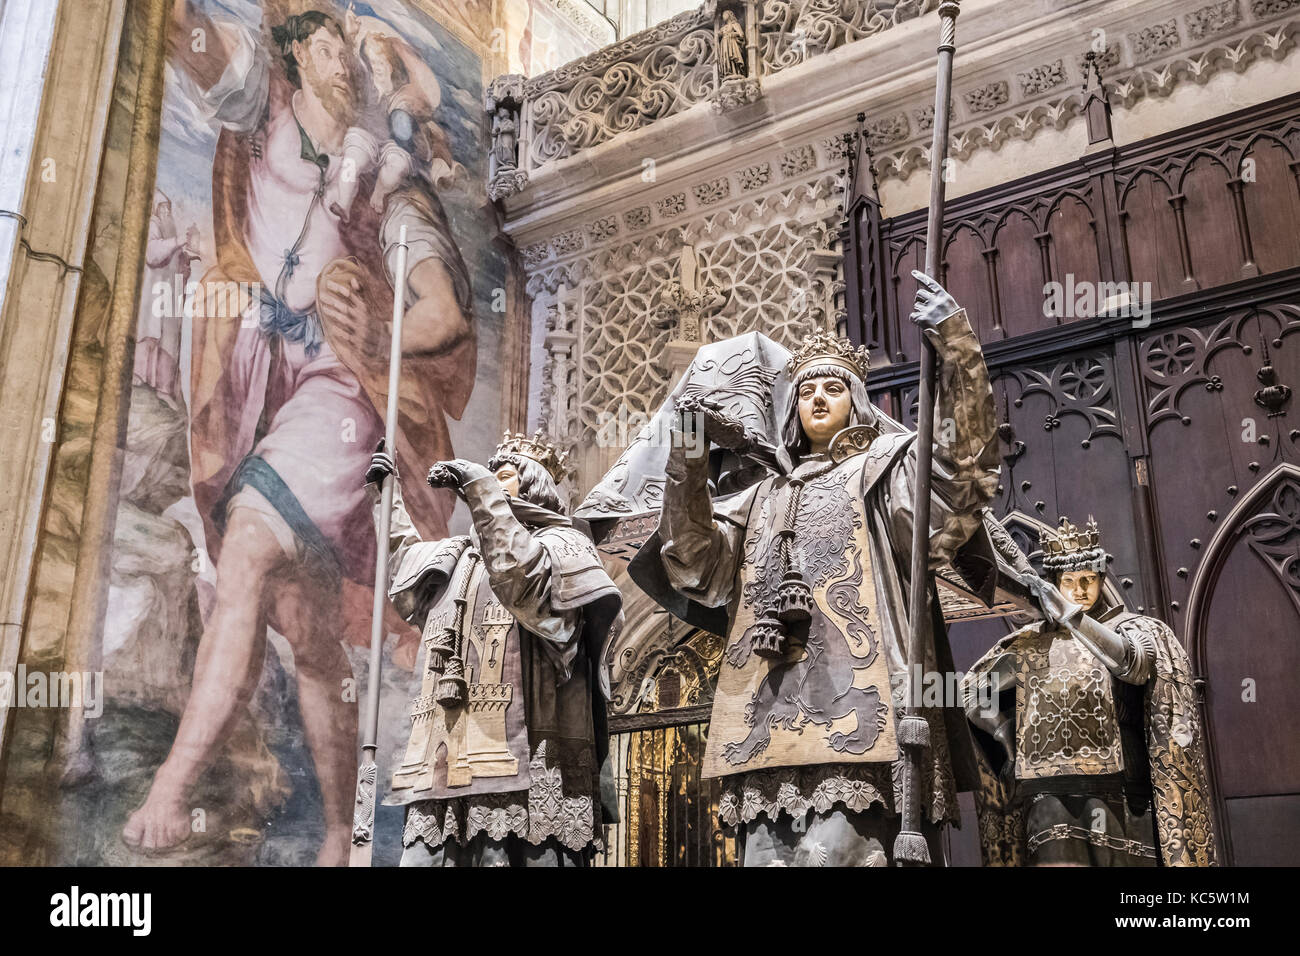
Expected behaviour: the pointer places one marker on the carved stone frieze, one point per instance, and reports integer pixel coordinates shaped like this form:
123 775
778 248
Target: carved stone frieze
798 161
986 98
1108 57
1157 79
754 177
567 242
1213 19
791 31
637 218
536 253
840 146
888 130
606 227
1040 79
645 78
1155 40
715 190
669 206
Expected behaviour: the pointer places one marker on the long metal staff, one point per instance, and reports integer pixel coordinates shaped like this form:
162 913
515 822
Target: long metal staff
913 731
363 818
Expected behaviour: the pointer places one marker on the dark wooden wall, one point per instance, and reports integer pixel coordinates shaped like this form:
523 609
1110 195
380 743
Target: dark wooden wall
1179 434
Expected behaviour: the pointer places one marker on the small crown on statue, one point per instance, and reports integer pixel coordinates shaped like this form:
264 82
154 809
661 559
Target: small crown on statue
537 449
823 348
1071 549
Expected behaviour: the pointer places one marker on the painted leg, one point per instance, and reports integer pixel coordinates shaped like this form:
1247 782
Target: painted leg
229 662
307 610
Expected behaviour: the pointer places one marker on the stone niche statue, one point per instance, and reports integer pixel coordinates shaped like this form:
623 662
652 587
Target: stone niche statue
503 102
738 65
811 566
731 46
508 732
1089 742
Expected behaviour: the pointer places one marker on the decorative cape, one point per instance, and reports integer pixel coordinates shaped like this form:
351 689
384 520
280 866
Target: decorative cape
1175 745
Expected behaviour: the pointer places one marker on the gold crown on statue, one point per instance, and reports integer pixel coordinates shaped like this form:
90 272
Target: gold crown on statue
537 449
823 348
1070 549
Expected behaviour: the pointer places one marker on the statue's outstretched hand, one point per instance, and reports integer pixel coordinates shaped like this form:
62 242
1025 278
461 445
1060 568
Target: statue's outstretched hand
381 466
456 473
933 303
726 431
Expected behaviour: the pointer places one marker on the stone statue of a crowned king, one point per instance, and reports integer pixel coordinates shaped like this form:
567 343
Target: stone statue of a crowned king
1088 734
508 732
811 564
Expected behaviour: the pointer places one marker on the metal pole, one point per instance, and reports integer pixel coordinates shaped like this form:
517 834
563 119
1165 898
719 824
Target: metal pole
363 819
913 730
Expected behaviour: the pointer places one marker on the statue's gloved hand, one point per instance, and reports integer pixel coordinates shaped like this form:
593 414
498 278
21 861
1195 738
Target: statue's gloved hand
455 474
696 412
933 303
1054 605
381 466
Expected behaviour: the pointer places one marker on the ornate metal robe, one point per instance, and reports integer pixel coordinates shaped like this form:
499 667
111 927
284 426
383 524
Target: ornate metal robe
1059 686
815 730
523 754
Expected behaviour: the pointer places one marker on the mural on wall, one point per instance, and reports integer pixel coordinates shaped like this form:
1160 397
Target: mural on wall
297 139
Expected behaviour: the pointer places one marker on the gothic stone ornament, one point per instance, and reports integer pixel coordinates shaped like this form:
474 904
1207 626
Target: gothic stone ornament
738 82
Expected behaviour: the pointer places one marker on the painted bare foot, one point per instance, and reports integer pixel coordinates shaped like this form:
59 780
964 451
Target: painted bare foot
161 824
336 848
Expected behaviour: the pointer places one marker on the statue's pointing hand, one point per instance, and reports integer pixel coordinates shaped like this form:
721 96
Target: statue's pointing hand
455 474
933 303
381 466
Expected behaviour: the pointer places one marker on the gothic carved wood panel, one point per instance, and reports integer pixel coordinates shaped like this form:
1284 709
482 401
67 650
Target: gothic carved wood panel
1194 211
1150 227
1072 238
1019 275
1252 574
1214 425
1273 203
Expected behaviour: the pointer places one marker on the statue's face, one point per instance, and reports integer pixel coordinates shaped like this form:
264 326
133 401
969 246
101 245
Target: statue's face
508 476
1081 587
825 408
